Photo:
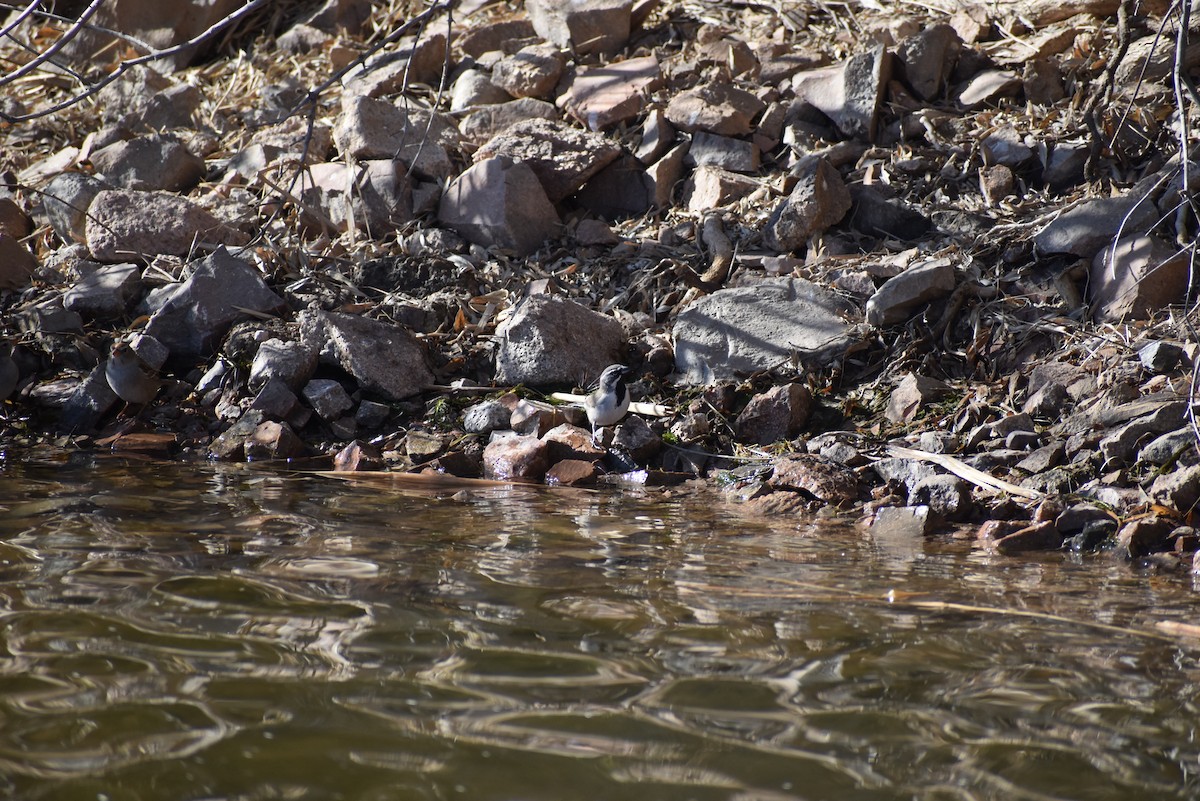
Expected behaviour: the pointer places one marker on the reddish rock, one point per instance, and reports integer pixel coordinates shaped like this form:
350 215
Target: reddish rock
1043 536
537 419
585 26
516 458
563 158
495 36
993 530
273 440
850 93
358 456
530 72
13 219
718 108
499 202
819 200
573 473
125 224
419 59
913 392
710 187
775 415
602 96
16 263
996 183
823 479
369 128
1145 535
567 441
663 176
1136 278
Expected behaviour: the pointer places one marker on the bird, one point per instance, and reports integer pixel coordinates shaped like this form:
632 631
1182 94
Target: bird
609 401
10 374
131 379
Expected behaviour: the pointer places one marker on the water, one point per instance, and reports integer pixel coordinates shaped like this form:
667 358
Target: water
224 632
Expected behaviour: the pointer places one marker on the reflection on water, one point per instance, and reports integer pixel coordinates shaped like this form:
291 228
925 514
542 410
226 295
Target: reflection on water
216 632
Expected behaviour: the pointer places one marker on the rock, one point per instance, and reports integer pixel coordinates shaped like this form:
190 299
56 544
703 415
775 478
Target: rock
475 88
551 340
516 457
562 158
48 317
532 71
1144 535
566 441
874 215
662 177
824 480
947 497
1064 166
272 440
275 400
125 223
819 200
913 392
899 531
382 358
485 417
658 136
929 58
599 97
371 414
538 419
368 129
1013 422
747 329
573 473
635 437
595 232
1119 445
1043 459
902 295
618 191
231 444
291 362
1007 147
1161 357
585 26
1042 536
358 456
90 401
494 36
106 293
1168 447
374 194
725 152
17 264
710 187
160 26
149 163
421 446
147 100
718 108
988 86
501 203
1087 228
903 472
220 291
777 414
996 183
1179 489
419 59
65 201
327 398
484 123
1047 402
1136 278
850 93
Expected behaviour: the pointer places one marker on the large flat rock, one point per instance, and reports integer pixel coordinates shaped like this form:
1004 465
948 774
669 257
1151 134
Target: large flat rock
745 329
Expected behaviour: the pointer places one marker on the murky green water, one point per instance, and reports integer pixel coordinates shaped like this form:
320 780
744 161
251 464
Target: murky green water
206 632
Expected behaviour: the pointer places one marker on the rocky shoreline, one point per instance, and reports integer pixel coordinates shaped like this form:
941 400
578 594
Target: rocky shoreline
929 266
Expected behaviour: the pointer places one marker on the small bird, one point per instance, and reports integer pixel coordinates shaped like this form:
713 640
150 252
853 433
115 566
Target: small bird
130 378
610 400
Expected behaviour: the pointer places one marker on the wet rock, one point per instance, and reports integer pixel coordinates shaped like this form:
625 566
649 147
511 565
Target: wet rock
566 441
947 497
106 293
573 473
532 71
819 200
499 202
712 187
1076 517
149 163
369 129
231 444
850 93
777 414
272 440
635 437
913 392
1086 229
584 26
1161 357
384 359
420 446
776 505
900 530
516 457
484 123
65 201
475 88
759 327
553 340
327 398
987 87
562 158
220 291
1135 278
17 264
1144 535
929 59
902 295
824 480
375 195
1179 490
124 224
874 215
599 97
358 456
275 400
718 108
291 362
485 417
1042 536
